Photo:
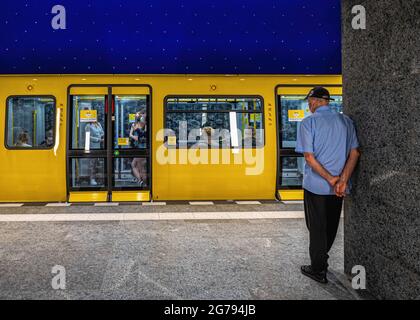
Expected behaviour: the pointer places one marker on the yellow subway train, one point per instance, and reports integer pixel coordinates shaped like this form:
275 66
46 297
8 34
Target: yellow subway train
130 138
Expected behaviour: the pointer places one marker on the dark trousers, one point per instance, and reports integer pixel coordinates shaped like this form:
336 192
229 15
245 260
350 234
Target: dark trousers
322 215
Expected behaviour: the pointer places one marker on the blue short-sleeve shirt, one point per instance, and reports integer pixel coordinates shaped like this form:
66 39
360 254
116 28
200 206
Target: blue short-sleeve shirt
330 136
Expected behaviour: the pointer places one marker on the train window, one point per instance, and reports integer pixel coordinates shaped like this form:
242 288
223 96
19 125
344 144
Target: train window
214 122
215 104
292 171
293 110
30 122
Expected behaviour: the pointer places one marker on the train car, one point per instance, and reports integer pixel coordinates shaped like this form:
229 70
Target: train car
67 138
182 100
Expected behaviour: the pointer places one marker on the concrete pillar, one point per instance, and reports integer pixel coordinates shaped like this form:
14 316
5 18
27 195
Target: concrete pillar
381 70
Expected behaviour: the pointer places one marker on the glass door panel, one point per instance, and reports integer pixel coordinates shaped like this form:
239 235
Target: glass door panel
88 173
131 167
293 110
292 171
131 122
87 153
132 173
88 123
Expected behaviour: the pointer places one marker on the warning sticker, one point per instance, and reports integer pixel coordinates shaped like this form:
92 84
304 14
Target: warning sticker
123 141
88 116
296 115
132 117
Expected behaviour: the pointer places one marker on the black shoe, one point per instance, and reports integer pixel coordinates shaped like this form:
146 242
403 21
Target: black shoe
317 276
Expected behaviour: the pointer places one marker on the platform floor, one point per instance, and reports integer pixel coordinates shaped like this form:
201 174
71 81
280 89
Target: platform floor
225 253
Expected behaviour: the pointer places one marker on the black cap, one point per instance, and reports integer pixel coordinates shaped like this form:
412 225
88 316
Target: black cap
319 92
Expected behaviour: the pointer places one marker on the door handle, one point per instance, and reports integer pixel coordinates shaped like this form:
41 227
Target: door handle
57 131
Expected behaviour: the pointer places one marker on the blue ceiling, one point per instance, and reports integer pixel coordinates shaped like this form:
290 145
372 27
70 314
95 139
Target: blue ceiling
172 37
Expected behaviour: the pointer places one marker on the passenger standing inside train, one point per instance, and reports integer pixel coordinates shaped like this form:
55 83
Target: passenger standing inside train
138 138
96 142
96 134
329 142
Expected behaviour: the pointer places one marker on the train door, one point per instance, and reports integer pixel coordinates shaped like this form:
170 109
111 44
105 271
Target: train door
291 110
108 156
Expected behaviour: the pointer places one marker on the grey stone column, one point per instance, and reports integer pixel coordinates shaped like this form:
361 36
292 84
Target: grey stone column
381 72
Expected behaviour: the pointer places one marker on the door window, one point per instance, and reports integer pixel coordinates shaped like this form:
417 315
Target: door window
88 125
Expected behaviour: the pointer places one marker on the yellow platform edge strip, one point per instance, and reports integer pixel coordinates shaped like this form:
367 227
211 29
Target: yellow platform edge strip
290 195
88 196
130 196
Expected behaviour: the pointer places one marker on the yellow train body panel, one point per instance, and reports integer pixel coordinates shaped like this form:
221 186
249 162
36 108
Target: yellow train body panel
41 175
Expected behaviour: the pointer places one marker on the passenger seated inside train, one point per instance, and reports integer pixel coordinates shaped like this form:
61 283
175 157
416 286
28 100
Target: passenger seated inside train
250 137
23 140
49 139
207 139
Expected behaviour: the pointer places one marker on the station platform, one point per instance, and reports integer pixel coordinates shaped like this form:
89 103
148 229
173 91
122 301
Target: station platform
171 210
235 250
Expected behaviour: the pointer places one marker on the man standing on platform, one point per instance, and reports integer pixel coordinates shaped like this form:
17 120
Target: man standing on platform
329 143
